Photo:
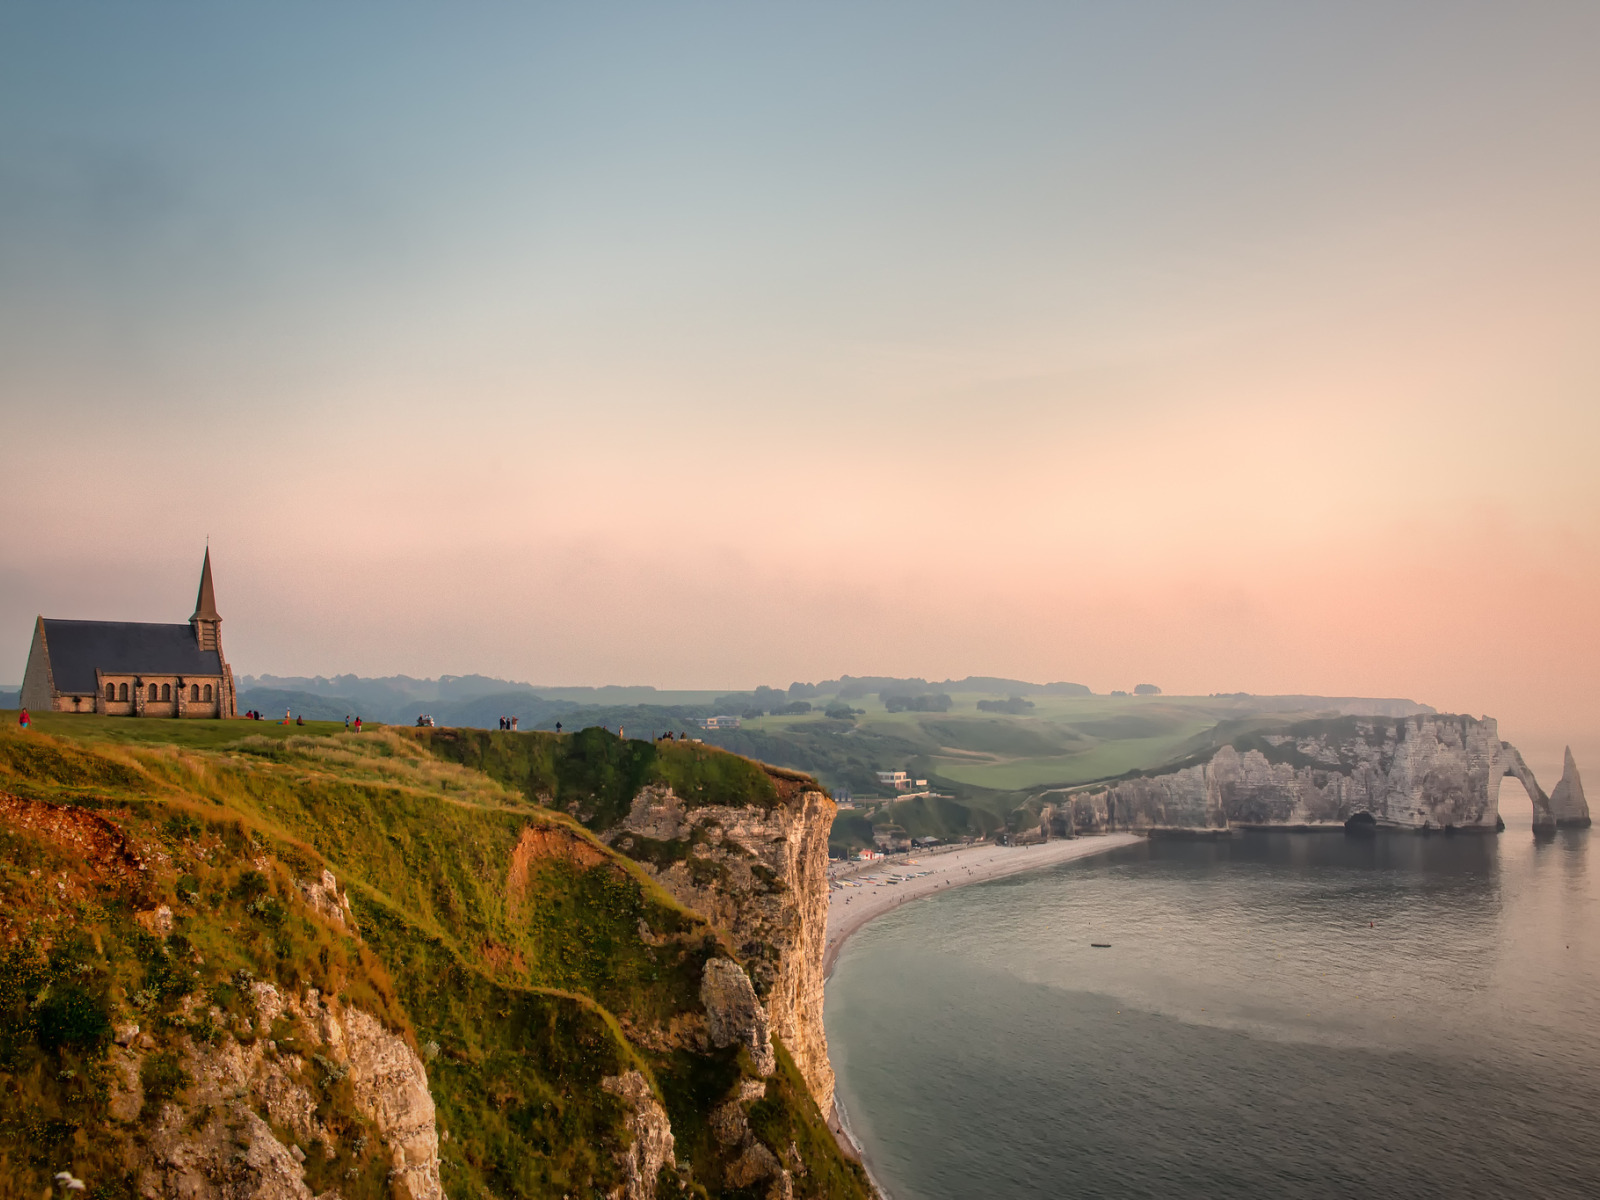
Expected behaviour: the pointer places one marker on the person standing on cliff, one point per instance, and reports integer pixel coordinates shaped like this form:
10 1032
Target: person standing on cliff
358 724
22 719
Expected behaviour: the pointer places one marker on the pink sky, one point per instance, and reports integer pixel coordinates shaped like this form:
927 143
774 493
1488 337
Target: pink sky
1255 352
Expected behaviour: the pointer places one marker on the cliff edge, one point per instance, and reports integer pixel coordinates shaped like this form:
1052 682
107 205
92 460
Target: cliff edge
257 964
742 844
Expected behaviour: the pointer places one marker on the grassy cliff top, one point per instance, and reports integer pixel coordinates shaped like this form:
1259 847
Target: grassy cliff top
520 956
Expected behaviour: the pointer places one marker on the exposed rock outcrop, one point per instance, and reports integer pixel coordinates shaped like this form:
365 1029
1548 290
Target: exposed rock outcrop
734 1015
324 898
215 1140
1568 805
230 1155
760 873
651 1147
1424 772
754 1160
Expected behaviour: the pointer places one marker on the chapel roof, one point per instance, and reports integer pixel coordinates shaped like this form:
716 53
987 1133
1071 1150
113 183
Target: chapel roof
78 648
205 604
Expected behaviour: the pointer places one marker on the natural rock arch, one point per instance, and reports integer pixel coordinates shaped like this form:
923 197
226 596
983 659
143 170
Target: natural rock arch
1510 763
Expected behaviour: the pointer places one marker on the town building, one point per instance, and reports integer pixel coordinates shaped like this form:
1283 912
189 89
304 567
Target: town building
718 722
133 668
898 780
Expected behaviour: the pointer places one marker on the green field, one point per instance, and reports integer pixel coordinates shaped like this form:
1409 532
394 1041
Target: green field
1063 740
987 768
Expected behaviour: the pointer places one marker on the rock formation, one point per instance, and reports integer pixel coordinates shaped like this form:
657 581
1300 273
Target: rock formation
760 873
1568 806
651 1147
217 1141
1423 772
734 1016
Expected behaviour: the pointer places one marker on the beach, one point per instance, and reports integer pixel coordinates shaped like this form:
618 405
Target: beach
851 907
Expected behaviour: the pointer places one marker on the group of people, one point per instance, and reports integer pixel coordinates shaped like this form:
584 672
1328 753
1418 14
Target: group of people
508 723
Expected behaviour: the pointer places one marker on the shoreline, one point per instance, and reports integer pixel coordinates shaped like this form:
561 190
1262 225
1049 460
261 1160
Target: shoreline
850 908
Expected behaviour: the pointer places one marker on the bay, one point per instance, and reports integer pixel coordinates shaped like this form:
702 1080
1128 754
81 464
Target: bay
1277 1015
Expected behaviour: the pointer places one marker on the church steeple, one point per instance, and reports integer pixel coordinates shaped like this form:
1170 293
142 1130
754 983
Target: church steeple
206 619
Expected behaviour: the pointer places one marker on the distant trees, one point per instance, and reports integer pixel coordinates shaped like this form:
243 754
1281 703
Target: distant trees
840 711
1015 706
1146 689
752 704
927 702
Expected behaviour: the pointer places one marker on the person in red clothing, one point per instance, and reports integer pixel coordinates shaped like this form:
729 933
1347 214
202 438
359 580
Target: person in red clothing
358 724
22 719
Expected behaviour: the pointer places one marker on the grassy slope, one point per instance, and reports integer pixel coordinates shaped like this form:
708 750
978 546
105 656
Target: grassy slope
522 996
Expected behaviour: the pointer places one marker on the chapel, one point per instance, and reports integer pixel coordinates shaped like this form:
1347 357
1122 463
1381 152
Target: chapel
133 668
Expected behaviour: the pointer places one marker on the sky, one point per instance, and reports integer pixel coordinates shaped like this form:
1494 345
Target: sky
1231 347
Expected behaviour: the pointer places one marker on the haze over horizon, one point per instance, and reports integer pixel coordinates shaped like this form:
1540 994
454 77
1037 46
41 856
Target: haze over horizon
1244 349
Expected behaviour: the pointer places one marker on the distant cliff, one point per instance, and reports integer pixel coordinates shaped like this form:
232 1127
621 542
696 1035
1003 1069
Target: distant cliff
1422 772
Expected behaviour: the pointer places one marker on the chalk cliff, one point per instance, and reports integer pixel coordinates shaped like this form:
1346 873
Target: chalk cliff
761 873
1423 772
1568 806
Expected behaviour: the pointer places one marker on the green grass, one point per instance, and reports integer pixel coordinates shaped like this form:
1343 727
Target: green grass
1061 740
524 975
194 734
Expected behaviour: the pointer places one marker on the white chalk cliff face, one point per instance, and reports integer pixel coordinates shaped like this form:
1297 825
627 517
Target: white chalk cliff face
761 874
1424 772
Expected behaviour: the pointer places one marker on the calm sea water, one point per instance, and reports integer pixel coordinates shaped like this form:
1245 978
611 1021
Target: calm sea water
1278 1015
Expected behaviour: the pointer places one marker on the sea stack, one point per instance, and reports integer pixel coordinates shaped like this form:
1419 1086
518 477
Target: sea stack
1567 803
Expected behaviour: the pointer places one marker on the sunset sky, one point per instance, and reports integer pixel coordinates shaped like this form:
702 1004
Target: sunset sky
1228 346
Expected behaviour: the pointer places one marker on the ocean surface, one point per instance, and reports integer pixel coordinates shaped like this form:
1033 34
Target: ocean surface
1278 1015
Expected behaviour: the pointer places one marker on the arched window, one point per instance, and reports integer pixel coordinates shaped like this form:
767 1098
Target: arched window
194 691
111 691
208 693
155 692
166 691
122 693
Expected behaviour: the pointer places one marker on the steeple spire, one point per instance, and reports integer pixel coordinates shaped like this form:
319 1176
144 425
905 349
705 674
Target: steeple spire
205 605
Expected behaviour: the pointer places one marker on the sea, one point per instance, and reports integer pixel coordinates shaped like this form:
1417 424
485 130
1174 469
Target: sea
1273 1015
